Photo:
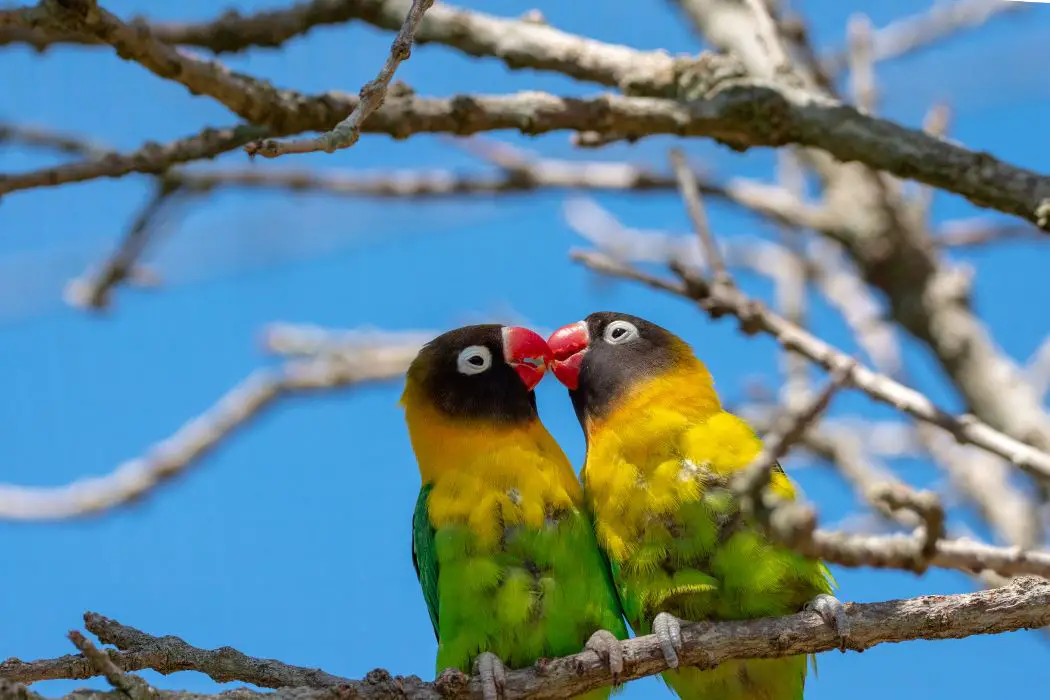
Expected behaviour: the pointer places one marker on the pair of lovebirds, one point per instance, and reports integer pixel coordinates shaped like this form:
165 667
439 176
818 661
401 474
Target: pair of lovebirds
519 561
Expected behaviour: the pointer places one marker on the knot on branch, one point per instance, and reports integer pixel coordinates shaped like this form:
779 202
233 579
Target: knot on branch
452 683
896 497
701 77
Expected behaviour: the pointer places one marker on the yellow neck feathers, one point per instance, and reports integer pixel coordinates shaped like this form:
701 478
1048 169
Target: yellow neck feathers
634 467
686 390
489 475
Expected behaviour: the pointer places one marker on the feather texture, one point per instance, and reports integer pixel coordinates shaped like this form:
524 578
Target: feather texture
656 477
505 551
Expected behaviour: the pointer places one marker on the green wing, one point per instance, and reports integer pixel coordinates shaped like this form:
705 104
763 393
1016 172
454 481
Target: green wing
424 558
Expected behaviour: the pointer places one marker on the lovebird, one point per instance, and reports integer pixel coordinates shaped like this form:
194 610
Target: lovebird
660 455
503 548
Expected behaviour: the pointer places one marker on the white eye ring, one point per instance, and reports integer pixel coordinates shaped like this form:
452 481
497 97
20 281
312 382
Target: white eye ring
474 360
620 332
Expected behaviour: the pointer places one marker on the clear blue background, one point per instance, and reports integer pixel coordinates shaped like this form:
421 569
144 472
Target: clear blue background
291 540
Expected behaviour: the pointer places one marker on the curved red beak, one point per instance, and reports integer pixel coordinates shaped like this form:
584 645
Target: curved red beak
527 353
568 345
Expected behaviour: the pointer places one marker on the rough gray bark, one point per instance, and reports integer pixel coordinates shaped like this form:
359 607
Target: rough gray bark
1023 604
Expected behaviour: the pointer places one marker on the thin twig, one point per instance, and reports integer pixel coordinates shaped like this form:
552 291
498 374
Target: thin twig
93 290
936 123
690 191
131 687
926 28
862 63
347 132
792 282
151 158
967 233
751 482
35 137
1037 369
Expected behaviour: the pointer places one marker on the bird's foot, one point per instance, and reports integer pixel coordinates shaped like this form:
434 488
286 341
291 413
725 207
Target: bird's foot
668 631
605 644
833 612
493 675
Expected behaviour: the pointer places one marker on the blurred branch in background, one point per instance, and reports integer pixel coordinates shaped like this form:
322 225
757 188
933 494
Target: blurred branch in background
363 362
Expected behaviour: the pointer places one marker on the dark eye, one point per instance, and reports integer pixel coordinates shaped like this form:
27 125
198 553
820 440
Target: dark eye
477 360
618 332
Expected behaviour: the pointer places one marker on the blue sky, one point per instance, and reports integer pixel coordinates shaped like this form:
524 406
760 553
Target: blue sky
291 540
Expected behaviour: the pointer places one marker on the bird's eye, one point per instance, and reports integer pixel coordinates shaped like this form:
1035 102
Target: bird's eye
619 332
474 360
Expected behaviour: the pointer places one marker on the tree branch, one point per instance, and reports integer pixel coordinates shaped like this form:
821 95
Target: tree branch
93 290
33 137
925 28
152 158
167 655
795 525
347 132
1022 604
756 318
725 106
136 478
131 687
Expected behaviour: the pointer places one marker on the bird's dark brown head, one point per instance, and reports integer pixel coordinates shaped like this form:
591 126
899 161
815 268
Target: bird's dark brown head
483 372
601 358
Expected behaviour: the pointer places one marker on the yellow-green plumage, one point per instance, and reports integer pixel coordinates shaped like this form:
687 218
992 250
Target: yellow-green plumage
660 454
504 550
532 595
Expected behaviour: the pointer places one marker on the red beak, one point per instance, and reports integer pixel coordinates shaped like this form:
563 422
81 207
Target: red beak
568 345
527 353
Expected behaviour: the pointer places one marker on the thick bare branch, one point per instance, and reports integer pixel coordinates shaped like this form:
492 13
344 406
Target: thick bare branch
895 253
981 477
725 106
1022 604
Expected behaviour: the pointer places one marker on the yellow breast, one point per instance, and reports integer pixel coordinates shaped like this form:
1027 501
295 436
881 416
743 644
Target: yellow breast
489 476
652 454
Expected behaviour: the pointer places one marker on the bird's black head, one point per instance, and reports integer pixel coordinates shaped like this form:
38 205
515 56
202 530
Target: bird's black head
484 372
601 358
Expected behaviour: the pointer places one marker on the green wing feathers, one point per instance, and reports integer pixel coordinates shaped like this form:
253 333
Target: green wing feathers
540 593
706 561
424 558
